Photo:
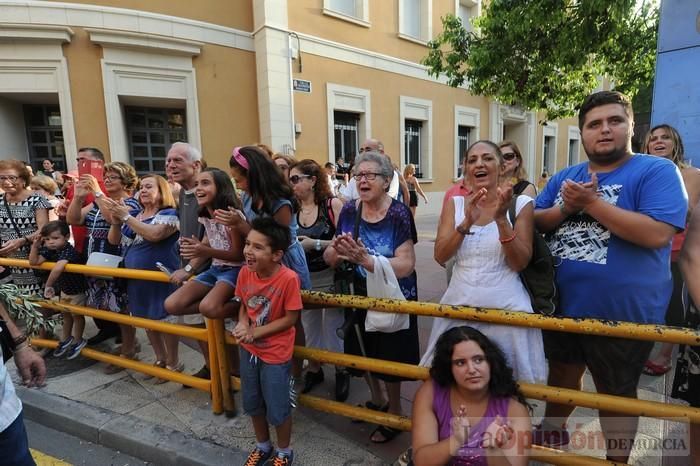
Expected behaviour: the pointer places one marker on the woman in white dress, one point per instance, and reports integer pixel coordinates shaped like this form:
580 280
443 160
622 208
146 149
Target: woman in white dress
489 254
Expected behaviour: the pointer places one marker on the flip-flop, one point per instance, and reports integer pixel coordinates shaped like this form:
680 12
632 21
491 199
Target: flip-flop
388 433
651 368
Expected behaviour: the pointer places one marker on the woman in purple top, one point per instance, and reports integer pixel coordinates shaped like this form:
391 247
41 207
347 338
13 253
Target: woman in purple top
470 412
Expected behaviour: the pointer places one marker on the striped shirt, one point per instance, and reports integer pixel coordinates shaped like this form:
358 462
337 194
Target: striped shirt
10 406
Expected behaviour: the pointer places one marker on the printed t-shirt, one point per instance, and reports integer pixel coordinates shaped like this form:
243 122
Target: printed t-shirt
268 299
219 238
601 275
67 283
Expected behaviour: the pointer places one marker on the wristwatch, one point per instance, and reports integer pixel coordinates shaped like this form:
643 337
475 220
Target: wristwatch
188 268
126 218
318 244
98 194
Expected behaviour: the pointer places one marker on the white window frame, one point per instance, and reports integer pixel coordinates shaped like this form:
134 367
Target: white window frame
465 116
32 61
361 18
413 108
426 23
472 4
142 69
574 135
347 99
550 130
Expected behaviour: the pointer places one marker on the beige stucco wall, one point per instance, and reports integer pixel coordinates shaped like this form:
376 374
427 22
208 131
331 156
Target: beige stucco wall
226 94
385 89
87 97
382 36
230 13
228 103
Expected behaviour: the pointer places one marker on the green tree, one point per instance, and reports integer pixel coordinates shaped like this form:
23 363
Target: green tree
548 54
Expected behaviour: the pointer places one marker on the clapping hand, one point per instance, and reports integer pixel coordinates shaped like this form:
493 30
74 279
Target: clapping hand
191 248
577 196
350 250
243 332
460 429
505 196
118 210
472 211
497 434
231 217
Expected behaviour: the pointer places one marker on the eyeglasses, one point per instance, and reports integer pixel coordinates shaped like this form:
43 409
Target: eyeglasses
112 178
368 176
283 167
509 156
11 178
294 179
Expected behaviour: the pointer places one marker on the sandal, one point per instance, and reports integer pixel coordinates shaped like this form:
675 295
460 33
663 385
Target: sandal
651 368
369 405
388 433
179 367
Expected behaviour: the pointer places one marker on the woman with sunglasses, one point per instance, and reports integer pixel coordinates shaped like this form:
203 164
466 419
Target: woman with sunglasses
317 219
513 170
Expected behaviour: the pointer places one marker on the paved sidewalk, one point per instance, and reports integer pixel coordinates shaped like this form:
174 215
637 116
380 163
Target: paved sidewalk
167 424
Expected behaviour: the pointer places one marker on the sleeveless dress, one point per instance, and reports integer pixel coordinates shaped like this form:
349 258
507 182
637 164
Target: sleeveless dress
471 453
24 215
294 257
108 295
481 278
145 297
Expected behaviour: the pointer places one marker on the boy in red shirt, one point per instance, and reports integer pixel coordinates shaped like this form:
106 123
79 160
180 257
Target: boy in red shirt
270 305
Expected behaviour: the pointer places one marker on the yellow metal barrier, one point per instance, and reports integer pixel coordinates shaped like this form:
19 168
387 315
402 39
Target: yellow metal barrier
221 381
629 330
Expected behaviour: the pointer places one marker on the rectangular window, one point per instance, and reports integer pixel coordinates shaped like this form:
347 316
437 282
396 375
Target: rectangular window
412 145
411 21
345 125
548 154
151 131
463 135
573 151
45 135
466 11
345 7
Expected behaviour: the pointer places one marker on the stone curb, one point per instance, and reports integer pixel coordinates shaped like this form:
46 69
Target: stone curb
127 434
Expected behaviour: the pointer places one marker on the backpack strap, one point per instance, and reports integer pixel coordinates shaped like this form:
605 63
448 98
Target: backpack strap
511 210
329 209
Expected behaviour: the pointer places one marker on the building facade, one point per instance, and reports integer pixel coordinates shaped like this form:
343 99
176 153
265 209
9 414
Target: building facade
311 78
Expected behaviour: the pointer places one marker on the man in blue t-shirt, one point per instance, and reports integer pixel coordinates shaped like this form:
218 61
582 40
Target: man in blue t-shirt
610 221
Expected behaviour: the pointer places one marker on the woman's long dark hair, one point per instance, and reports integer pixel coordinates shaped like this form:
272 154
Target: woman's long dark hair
225 193
502 383
266 184
322 189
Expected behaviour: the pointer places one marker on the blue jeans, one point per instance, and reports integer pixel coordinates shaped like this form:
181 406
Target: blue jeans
265 388
14 447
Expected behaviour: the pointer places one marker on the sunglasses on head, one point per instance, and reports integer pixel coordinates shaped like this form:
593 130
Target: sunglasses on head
509 155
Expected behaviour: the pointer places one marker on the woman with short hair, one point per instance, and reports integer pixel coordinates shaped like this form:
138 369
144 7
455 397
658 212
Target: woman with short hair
22 214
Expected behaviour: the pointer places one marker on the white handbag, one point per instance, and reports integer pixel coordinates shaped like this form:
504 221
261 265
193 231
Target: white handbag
382 283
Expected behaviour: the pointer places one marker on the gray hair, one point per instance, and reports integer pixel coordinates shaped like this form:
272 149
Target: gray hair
386 169
193 154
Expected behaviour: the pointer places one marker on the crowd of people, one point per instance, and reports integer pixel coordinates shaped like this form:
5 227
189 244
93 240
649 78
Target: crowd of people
241 245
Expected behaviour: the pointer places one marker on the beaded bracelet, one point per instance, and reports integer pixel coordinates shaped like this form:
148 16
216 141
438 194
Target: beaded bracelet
508 240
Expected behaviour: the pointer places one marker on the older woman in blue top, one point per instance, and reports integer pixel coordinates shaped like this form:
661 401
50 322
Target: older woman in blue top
150 235
386 228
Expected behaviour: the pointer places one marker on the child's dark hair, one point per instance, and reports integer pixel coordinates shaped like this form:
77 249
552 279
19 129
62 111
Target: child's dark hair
265 180
502 383
53 226
278 235
225 193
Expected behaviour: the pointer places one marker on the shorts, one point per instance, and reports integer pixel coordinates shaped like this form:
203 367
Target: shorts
412 199
265 388
74 299
615 363
218 273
